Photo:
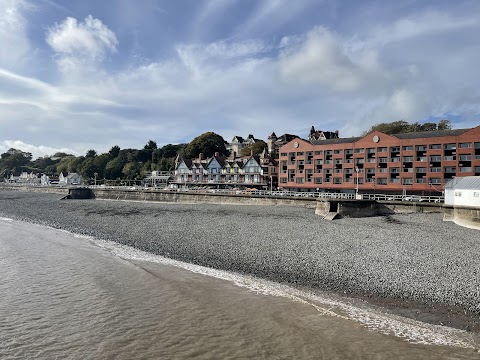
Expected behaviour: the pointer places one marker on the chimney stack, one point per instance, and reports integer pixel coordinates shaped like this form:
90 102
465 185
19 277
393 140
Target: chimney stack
200 156
217 153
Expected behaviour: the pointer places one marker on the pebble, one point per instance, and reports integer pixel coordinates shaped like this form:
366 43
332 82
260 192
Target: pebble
406 256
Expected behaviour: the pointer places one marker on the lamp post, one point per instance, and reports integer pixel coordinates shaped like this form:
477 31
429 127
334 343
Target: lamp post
356 190
95 175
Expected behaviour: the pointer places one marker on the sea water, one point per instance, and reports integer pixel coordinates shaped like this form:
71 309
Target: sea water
65 296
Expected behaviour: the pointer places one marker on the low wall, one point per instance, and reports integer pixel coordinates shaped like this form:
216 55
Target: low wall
42 189
167 196
463 216
366 208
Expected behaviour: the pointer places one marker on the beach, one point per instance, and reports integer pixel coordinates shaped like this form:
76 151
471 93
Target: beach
415 265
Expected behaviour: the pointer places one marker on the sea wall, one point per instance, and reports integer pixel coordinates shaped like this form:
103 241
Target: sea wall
203 198
366 208
463 216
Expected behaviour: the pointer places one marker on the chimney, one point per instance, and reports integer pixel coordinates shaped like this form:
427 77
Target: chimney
217 153
234 155
200 156
251 152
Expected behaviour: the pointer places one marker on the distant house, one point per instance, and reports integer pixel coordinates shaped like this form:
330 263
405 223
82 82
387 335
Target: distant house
70 179
238 143
463 191
275 143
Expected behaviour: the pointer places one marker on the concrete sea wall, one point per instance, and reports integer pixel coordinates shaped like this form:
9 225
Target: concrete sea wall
367 208
463 216
205 198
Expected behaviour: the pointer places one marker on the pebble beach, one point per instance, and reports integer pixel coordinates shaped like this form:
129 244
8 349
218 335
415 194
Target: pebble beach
416 264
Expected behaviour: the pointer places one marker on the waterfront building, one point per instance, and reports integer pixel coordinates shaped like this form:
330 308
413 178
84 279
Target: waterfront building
259 171
463 191
420 162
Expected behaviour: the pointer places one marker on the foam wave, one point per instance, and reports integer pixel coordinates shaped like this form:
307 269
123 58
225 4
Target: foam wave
408 329
5 219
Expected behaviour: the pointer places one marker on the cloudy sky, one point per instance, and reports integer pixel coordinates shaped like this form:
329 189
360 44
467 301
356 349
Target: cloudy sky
89 74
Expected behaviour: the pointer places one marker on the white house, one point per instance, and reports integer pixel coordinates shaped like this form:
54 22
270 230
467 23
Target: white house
70 179
463 191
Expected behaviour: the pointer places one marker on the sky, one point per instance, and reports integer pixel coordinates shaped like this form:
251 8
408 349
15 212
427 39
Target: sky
89 74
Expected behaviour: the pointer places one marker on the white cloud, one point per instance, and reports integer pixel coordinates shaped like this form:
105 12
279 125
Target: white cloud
14 43
80 44
36 151
346 81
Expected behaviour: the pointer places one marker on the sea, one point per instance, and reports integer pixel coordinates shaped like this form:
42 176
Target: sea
65 296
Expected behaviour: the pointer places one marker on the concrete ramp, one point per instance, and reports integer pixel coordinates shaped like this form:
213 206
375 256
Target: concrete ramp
331 216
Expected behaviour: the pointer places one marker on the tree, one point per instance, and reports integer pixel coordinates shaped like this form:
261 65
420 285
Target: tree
444 125
91 153
114 151
399 127
256 147
395 127
208 144
13 160
150 145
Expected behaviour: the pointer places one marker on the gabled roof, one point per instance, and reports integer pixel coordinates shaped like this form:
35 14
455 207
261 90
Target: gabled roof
220 160
464 183
188 163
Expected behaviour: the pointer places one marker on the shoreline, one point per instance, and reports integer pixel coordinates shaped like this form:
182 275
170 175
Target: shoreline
210 236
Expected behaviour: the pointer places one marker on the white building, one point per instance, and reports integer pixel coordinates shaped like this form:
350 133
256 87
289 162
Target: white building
463 191
70 179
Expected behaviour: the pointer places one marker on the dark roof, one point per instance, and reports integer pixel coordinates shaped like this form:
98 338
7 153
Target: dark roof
336 141
430 134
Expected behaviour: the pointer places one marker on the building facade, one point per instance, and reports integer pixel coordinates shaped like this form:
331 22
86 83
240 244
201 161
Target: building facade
415 162
259 171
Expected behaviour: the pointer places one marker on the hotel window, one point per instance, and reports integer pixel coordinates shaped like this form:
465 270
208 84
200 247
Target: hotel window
319 152
338 151
361 150
407 181
435 146
465 145
283 154
382 149
435 181
407 148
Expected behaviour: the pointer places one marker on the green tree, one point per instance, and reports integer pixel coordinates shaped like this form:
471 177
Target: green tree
131 170
399 127
13 160
91 153
256 147
444 125
114 151
208 144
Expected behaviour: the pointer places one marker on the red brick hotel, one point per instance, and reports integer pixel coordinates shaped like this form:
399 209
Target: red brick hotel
415 162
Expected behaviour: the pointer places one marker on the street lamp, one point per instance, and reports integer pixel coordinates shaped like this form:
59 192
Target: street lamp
356 191
95 175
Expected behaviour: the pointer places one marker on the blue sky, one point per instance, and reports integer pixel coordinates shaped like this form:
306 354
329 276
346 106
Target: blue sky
89 74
